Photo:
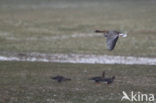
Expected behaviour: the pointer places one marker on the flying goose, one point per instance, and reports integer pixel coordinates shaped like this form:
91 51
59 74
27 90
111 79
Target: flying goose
60 79
112 37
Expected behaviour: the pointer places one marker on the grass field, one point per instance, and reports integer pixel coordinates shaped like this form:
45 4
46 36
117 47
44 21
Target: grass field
25 82
66 27
31 28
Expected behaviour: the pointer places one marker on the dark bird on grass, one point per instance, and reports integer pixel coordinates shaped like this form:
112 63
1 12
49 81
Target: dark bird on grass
98 79
112 37
60 79
109 80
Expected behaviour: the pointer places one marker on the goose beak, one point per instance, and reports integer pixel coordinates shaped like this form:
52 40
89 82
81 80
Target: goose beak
123 35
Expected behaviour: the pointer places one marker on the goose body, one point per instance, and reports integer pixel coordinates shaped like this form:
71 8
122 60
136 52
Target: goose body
102 78
109 80
111 37
98 79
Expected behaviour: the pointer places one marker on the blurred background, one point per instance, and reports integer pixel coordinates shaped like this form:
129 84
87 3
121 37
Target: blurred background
67 26
41 28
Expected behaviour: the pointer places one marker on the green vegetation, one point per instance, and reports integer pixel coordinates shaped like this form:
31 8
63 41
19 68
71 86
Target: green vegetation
26 82
31 28
47 26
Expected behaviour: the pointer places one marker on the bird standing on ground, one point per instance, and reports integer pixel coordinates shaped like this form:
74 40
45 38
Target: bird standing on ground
112 37
98 79
60 79
102 78
109 80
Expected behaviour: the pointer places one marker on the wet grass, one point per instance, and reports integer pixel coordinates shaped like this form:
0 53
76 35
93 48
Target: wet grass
30 82
19 26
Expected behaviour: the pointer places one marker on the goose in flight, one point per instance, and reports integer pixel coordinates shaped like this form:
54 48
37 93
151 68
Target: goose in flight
60 79
111 37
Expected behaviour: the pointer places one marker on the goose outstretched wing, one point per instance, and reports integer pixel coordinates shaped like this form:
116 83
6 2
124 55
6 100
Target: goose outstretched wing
111 41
